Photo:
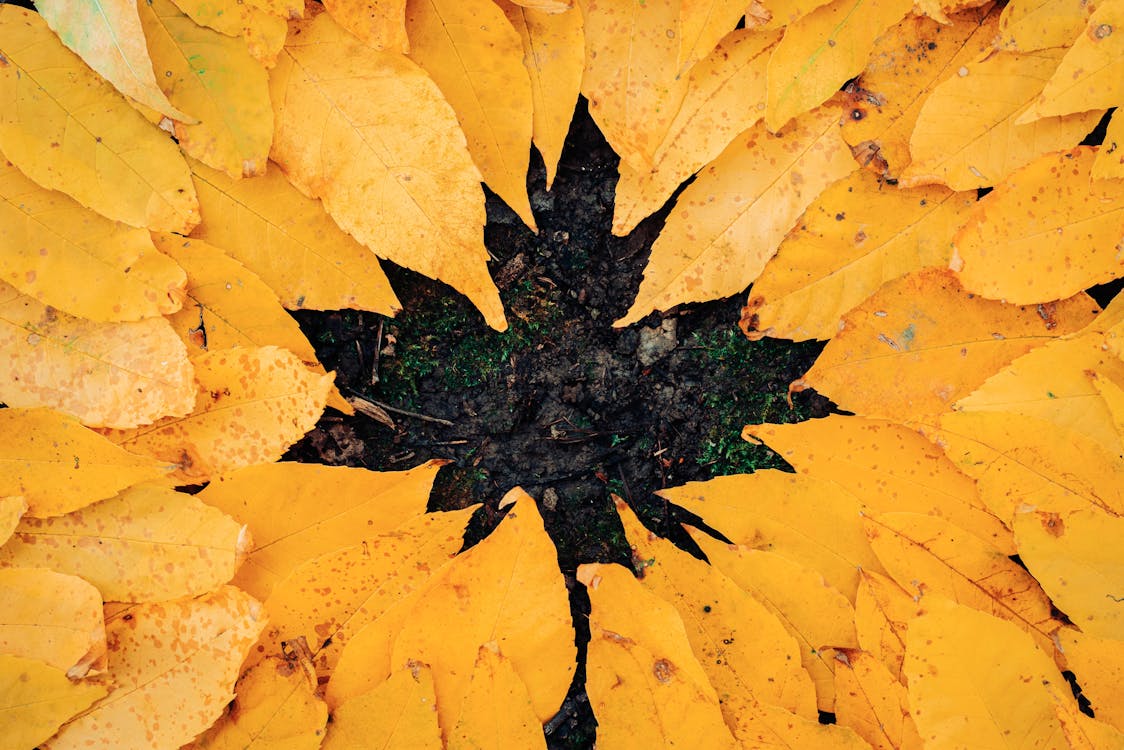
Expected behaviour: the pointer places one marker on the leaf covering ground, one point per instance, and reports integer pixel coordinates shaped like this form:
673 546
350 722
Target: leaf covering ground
935 562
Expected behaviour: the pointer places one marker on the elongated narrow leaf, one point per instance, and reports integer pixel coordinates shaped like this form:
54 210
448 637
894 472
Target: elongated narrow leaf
497 712
872 702
379 23
396 176
883 611
729 222
1028 25
398 713
147 544
263 33
36 698
703 23
53 617
105 156
1109 164
48 358
1099 666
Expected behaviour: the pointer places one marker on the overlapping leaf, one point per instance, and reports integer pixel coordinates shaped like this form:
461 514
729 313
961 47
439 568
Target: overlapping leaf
52 617
263 33
379 23
36 698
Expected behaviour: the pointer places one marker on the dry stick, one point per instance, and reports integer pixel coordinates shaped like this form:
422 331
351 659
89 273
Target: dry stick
375 364
406 413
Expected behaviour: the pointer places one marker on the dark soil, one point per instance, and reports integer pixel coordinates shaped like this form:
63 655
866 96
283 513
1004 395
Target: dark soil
562 404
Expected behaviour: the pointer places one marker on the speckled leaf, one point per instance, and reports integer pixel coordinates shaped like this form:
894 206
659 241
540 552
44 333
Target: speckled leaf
105 374
883 611
147 544
69 130
497 712
36 698
172 667
1028 25
285 8
379 23
871 701
57 465
399 713
702 24
1098 664
298 511
264 33
53 617
252 403
12 508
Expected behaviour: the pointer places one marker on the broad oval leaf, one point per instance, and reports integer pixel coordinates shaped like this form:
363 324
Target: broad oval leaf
379 23
52 617
497 712
264 33
398 713
69 130
36 698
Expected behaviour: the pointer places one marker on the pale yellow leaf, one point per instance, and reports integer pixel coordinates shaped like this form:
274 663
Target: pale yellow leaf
147 544
52 617
776 14
883 611
264 33
1028 25
731 219
871 701
1098 664
105 374
379 23
497 712
546 6
291 9
399 713
702 24
1109 164
12 508
69 130
36 698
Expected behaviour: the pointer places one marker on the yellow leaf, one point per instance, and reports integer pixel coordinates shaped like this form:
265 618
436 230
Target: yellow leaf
730 220
631 75
1047 232
36 698
553 54
1109 164
745 651
471 51
298 511
857 235
362 129
1082 732
776 14
379 23
172 667
263 32
107 35
290 242
57 465
823 49
52 617
888 467
703 23
814 523
291 9
1077 557
497 712
399 713
882 614
725 96
645 685
816 615
148 543
921 342
1088 77
553 7
275 708
214 76
1028 25
105 374
907 62
48 241
871 701
967 137
12 508
1098 664
252 403
977 681
927 554
69 130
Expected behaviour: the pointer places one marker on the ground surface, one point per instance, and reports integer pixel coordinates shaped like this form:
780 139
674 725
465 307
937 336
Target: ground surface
562 404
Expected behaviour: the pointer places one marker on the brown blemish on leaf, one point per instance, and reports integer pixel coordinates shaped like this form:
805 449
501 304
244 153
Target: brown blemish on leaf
1053 524
664 670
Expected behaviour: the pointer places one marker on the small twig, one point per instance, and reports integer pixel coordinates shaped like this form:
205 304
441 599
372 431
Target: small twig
407 413
378 350
372 410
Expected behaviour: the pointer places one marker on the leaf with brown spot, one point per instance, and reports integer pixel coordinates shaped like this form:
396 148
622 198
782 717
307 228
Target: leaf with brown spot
1028 25
1109 164
264 33
379 23
702 25
36 698
52 617
872 702
12 508
883 611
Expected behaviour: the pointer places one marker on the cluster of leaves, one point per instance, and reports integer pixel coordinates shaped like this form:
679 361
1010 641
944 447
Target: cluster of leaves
144 345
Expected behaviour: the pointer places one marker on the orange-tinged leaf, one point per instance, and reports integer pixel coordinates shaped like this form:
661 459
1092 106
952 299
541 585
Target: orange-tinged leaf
57 465
921 342
275 708
48 358
506 589
776 14
66 256
104 155
52 617
1077 557
1109 164
927 554
147 544
725 96
883 611
264 33
369 133
469 48
107 35
888 467
907 62
1098 664
379 23
631 75
172 667
978 681
816 615
645 685
268 226
399 713
871 701
821 51
967 137
1082 732
745 651
497 712
856 236
299 511
1028 25
1046 232
730 220
216 78
702 24
554 56
553 7
811 522
252 403
36 698
12 508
